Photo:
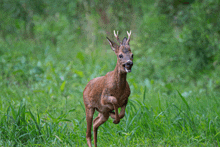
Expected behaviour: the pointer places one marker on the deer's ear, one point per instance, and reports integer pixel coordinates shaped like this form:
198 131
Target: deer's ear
113 45
124 41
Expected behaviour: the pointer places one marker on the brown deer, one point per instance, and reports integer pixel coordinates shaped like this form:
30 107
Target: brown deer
108 93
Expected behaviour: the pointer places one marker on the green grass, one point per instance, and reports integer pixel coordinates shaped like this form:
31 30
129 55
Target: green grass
41 101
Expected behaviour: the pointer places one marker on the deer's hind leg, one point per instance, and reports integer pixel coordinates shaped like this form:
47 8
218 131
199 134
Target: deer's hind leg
89 117
99 120
96 118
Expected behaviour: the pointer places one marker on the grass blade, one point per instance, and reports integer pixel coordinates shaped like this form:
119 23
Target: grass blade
184 100
38 127
144 94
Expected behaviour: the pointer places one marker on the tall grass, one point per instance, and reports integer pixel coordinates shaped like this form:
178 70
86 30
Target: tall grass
41 102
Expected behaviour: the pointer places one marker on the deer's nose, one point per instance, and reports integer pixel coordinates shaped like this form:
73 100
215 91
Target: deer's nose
129 63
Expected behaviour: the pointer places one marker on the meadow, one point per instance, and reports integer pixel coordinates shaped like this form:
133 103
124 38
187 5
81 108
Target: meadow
174 97
42 105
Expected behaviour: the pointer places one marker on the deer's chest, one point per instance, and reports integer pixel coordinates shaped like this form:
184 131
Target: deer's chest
121 95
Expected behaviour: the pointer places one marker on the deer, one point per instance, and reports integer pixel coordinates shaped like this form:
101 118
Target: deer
108 93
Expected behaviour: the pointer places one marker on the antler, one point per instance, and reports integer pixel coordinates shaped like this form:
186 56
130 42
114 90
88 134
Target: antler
129 37
116 36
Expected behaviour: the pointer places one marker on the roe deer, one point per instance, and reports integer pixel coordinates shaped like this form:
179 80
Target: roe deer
107 93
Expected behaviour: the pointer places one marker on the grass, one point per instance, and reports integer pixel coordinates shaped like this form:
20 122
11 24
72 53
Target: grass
42 105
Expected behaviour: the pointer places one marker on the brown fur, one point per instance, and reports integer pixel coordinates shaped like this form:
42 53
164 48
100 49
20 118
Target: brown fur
109 92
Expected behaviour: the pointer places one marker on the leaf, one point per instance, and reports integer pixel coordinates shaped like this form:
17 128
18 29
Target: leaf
18 71
17 24
38 91
66 120
79 73
62 86
80 56
72 110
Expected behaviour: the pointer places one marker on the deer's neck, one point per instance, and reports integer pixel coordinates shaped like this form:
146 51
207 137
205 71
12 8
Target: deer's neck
119 77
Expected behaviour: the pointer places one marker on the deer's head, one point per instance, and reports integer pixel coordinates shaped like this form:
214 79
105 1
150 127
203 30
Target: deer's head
123 52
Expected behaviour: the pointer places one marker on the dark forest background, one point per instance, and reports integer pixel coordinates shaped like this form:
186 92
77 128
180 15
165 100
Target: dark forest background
172 38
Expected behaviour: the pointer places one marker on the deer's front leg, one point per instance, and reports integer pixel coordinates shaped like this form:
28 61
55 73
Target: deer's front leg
114 102
122 113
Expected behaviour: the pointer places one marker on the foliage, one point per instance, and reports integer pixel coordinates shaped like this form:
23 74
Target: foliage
50 50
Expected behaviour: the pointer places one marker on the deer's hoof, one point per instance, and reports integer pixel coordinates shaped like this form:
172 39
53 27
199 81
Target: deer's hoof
116 122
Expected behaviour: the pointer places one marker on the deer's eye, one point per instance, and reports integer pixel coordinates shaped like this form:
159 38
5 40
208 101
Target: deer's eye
120 56
132 56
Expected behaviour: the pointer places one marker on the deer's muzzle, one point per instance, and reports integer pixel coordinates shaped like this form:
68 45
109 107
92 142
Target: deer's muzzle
128 65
